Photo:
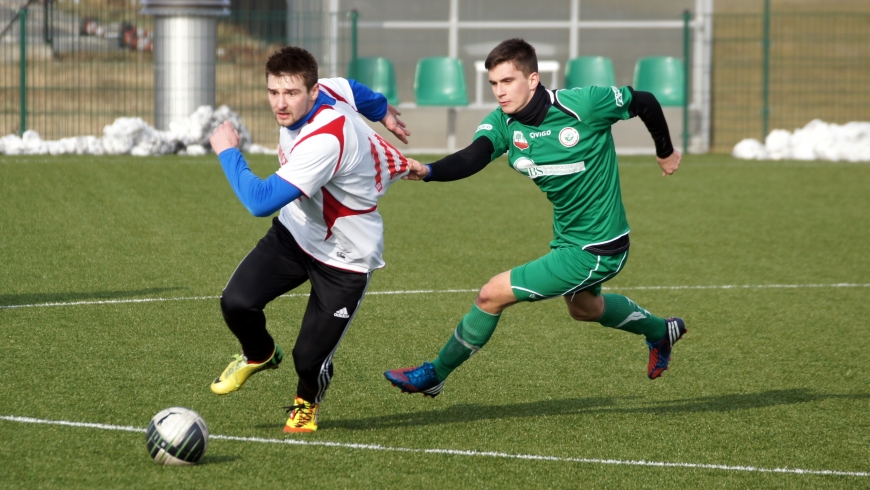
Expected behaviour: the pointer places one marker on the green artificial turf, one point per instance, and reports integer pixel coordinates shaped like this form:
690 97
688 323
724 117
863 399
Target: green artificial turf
773 373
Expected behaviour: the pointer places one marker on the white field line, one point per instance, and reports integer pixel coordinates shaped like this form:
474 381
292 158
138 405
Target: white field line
445 291
454 452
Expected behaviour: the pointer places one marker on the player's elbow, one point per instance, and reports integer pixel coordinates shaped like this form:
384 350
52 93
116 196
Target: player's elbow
261 211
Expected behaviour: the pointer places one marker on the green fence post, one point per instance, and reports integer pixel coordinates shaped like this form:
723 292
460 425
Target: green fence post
686 46
48 22
765 89
22 68
354 46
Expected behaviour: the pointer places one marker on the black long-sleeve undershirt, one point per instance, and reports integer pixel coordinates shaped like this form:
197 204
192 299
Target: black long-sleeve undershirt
473 158
647 107
464 163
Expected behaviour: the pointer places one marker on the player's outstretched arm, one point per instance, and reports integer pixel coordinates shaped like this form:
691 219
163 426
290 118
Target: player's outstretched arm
396 125
464 163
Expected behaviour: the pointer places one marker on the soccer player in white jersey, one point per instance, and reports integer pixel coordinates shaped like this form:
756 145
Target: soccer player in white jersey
333 169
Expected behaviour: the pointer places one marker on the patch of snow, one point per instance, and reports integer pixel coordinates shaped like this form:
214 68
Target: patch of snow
817 140
133 136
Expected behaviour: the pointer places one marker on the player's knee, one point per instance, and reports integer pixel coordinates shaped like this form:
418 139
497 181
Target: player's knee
233 303
491 298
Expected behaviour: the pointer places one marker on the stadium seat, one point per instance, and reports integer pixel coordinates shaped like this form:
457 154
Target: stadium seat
378 74
663 76
589 70
440 81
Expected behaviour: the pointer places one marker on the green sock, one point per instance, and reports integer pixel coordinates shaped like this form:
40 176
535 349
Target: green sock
473 331
624 314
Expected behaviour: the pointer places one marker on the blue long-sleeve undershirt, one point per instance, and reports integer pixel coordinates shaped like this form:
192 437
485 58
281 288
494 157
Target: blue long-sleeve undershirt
260 197
371 104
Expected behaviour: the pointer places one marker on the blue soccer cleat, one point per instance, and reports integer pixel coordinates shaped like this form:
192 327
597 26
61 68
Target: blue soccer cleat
660 352
420 379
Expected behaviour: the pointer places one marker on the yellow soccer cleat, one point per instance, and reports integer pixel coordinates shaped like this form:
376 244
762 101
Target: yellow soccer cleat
303 416
235 375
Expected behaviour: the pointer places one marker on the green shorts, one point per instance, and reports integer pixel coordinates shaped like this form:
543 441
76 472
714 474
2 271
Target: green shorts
564 271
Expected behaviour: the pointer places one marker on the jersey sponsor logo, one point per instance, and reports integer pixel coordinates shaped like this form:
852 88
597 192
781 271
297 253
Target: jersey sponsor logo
569 137
520 141
540 134
484 127
618 95
527 167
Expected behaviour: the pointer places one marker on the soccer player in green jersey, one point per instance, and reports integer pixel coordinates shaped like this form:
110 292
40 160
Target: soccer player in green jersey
562 141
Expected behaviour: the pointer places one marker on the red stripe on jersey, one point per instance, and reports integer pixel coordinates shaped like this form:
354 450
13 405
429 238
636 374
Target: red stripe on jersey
404 164
333 94
332 210
335 128
391 162
378 184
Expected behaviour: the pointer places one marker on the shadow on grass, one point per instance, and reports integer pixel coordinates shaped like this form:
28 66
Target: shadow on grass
38 298
472 412
579 406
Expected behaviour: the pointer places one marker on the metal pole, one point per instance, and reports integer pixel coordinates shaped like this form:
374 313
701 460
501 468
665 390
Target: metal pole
574 34
22 41
702 49
453 30
686 62
354 43
765 89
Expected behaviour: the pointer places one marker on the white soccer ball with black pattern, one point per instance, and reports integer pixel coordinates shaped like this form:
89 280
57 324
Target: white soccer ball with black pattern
177 436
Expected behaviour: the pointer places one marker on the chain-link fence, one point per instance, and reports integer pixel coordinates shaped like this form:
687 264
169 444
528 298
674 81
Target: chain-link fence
89 62
781 69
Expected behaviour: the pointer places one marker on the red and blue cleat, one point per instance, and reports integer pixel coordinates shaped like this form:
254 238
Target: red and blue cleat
420 379
660 352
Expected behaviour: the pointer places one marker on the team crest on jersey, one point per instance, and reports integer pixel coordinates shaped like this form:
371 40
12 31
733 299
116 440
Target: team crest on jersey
569 137
520 141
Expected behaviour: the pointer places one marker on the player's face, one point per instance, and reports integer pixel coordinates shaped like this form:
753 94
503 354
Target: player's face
289 98
511 88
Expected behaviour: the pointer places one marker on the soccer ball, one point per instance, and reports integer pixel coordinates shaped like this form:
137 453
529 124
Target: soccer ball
176 436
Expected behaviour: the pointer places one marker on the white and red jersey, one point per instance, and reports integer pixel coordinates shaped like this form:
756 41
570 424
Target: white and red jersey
342 167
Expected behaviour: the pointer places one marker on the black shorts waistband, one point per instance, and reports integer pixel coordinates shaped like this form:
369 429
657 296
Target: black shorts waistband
613 247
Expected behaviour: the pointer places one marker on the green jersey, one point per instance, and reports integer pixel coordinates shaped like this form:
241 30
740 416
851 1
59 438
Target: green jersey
572 158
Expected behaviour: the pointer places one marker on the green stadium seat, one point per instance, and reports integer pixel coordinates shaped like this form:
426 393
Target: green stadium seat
589 70
377 74
440 81
663 76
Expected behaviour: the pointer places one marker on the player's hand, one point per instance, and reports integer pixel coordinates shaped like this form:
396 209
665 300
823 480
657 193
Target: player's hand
416 170
670 164
395 125
224 138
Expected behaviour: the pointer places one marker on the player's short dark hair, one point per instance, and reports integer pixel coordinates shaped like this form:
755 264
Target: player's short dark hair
516 51
293 61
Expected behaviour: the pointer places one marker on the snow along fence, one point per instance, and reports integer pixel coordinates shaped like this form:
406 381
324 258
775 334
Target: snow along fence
817 140
133 136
